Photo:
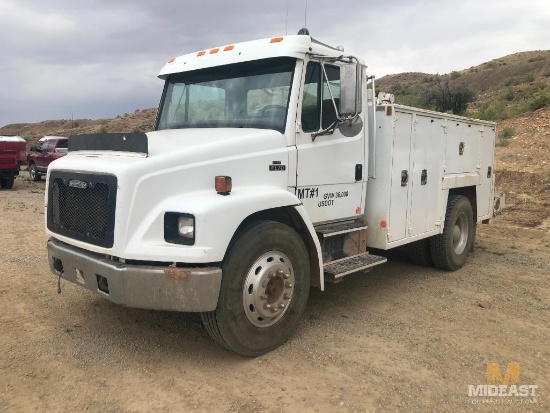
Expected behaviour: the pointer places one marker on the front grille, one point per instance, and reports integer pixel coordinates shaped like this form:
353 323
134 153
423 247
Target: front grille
82 206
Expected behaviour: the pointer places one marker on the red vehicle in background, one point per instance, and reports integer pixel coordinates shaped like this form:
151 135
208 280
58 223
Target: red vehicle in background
13 152
49 149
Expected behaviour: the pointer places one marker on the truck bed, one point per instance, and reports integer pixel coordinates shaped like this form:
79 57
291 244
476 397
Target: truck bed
416 157
8 160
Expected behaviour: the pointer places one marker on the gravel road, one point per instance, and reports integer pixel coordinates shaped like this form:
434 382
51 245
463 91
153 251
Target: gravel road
400 338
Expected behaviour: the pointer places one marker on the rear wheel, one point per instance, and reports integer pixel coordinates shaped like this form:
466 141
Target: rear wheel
33 173
450 249
264 290
420 253
7 183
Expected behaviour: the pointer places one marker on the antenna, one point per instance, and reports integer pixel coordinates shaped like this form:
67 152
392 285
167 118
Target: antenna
305 16
286 23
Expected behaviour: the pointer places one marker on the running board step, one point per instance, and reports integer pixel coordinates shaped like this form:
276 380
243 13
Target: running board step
338 228
336 270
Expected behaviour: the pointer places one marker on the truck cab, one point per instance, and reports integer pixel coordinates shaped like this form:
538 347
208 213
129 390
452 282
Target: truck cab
48 150
273 167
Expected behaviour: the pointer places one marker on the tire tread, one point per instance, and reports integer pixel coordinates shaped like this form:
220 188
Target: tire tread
439 244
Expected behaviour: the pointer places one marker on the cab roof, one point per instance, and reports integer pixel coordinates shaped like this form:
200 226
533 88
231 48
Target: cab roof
290 46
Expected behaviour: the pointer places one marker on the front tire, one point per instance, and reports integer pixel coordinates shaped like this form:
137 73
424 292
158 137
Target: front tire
450 249
33 173
264 290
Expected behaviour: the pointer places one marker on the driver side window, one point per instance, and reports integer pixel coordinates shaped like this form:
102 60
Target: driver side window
47 146
317 106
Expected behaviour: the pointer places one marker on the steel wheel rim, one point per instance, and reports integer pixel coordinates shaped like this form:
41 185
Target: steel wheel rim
33 172
268 289
460 233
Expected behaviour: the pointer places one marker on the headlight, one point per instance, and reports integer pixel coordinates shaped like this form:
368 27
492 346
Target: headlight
179 228
186 227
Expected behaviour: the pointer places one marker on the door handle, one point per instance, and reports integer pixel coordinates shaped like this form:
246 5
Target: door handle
404 177
358 172
424 177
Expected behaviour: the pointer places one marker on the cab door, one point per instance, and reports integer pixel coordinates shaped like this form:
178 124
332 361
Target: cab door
44 157
331 167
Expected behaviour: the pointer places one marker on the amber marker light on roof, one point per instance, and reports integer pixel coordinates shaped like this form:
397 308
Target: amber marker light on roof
201 53
172 60
276 40
223 185
216 50
227 48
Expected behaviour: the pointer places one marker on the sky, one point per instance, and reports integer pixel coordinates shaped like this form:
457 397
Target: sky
100 58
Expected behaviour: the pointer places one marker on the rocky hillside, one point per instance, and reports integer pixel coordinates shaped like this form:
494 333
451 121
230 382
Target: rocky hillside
513 90
504 88
138 121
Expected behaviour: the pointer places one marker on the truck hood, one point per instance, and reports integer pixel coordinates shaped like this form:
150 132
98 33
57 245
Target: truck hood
180 164
176 148
232 141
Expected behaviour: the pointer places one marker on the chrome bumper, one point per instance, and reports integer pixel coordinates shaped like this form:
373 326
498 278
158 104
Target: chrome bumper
137 286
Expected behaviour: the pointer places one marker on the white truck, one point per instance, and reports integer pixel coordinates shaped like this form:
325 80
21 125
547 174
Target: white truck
273 167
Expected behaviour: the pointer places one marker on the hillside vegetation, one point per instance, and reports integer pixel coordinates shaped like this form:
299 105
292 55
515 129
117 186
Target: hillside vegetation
503 88
513 90
138 121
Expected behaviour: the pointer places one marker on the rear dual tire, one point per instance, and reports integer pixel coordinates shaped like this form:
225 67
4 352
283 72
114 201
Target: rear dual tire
449 250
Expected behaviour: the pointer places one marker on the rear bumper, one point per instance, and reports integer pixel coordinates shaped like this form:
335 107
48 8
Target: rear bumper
8 173
137 286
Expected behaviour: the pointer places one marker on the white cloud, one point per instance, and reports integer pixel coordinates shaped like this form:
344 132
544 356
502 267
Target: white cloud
100 57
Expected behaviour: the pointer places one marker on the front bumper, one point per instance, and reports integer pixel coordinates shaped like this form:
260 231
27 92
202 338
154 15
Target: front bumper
137 286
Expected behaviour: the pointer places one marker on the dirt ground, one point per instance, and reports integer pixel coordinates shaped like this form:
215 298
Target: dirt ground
400 338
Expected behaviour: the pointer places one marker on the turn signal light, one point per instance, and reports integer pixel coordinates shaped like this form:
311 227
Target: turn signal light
223 185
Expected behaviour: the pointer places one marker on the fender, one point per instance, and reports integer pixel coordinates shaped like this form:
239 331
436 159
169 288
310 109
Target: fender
217 217
315 241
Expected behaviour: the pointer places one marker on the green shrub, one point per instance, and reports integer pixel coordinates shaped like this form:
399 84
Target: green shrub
539 101
507 132
504 135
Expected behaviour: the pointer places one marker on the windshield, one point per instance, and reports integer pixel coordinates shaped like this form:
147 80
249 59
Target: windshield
242 95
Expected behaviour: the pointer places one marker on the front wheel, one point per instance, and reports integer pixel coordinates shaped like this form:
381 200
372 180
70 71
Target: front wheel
450 249
33 173
264 290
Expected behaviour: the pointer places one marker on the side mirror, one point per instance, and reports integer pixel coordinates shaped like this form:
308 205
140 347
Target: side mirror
350 89
34 148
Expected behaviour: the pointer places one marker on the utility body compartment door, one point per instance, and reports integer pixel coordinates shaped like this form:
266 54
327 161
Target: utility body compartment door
427 159
400 176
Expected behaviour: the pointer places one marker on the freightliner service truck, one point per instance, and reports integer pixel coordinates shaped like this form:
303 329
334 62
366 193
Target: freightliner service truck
273 167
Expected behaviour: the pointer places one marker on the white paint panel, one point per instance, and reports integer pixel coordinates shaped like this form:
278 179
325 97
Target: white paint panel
332 202
428 151
460 132
401 161
485 192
